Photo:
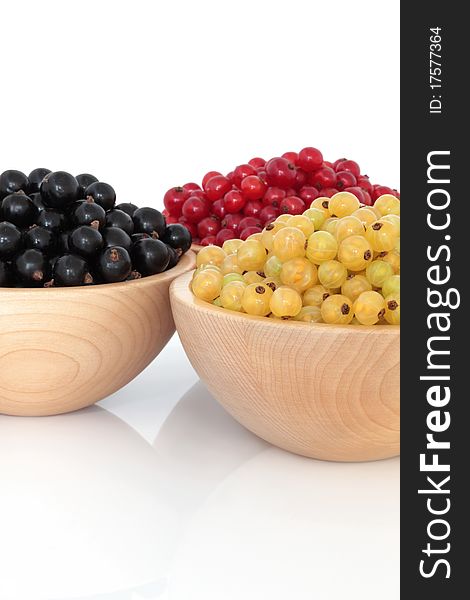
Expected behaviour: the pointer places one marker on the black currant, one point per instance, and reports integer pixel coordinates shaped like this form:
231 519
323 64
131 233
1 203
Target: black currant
35 179
102 193
150 256
31 268
89 213
52 219
86 242
174 257
63 243
127 207
71 270
10 240
12 181
114 264
37 201
149 220
59 190
118 218
113 236
19 210
84 180
41 239
4 274
178 237
135 237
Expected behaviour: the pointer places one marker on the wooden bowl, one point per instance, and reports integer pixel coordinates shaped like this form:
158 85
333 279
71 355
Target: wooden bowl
323 391
65 348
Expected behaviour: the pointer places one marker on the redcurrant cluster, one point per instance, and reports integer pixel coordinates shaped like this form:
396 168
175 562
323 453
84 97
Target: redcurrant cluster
254 194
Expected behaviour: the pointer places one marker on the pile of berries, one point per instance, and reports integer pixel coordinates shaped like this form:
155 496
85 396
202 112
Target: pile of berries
254 194
338 262
61 230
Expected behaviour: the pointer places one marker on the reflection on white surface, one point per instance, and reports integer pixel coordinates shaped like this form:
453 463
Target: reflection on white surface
91 510
83 512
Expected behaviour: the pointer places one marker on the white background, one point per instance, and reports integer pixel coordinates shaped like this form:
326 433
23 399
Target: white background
168 497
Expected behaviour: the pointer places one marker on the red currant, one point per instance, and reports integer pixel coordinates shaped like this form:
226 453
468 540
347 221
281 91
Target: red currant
174 200
280 172
192 187
195 209
328 192
229 176
292 205
349 165
327 163
291 156
208 226
208 176
253 187
336 163
273 196
234 201
218 209
364 182
268 214
345 179
241 172
367 198
216 187
323 178
257 162
224 235
249 231
380 190
232 221
358 192
310 159
249 222
191 227
308 194
300 178
252 208
170 219
208 241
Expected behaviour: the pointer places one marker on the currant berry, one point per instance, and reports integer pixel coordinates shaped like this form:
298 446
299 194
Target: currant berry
256 298
343 204
174 199
149 220
337 309
325 177
101 193
40 238
253 188
31 268
285 302
86 242
35 179
19 210
280 173
114 264
289 242
209 226
216 187
310 159
292 205
234 201
322 246
10 240
355 253
354 285
150 256
12 181
89 213
84 180
195 209
59 190
113 236
369 308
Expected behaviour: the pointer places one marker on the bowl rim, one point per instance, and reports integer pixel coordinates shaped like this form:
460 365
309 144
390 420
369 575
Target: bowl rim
180 289
185 263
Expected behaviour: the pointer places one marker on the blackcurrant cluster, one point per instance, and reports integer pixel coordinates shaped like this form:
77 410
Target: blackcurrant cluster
61 230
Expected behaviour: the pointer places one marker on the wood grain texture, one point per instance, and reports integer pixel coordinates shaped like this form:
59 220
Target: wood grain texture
65 348
323 391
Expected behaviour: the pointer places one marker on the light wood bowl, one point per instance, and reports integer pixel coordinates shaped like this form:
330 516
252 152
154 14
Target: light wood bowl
196 247
323 391
62 349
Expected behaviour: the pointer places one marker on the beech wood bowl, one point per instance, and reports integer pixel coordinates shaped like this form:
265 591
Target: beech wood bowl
62 349
322 391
